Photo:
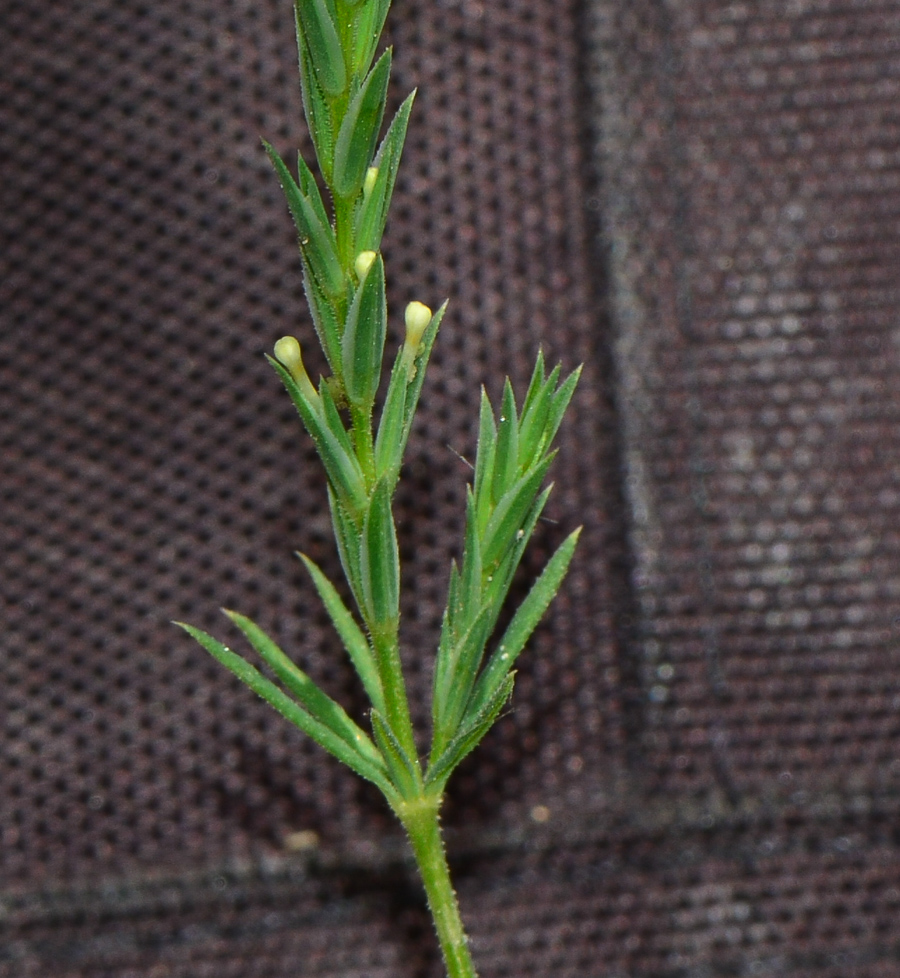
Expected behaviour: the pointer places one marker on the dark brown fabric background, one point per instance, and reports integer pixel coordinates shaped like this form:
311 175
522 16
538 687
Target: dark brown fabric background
700 201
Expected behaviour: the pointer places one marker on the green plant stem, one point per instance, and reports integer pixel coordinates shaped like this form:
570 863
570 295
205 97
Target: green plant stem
420 819
364 442
396 702
343 229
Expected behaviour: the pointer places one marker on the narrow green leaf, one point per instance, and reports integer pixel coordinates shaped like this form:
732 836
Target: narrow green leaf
535 385
510 512
315 104
524 622
401 768
442 670
498 583
373 212
467 739
484 462
343 469
369 25
332 8
472 567
324 45
252 677
347 536
506 459
363 340
558 407
310 189
356 139
453 601
350 633
318 703
388 449
465 659
380 560
333 421
326 322
533 425
317 241
334 449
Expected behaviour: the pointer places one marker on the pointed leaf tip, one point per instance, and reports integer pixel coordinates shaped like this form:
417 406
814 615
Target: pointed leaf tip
351 634
324 45
354 147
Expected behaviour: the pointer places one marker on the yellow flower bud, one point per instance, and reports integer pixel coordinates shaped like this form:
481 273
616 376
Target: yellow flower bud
287 352
418 316
364 261
369 182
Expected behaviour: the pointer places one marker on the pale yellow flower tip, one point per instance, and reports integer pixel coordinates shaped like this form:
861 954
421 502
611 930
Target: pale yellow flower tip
287 351
418 316
369 182
364 261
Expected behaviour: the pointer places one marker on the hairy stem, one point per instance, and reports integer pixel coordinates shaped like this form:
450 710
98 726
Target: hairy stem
343 229
364 442
420 819
396 703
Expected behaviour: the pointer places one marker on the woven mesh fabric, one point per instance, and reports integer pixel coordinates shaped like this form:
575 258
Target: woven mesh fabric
699 775
756 283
